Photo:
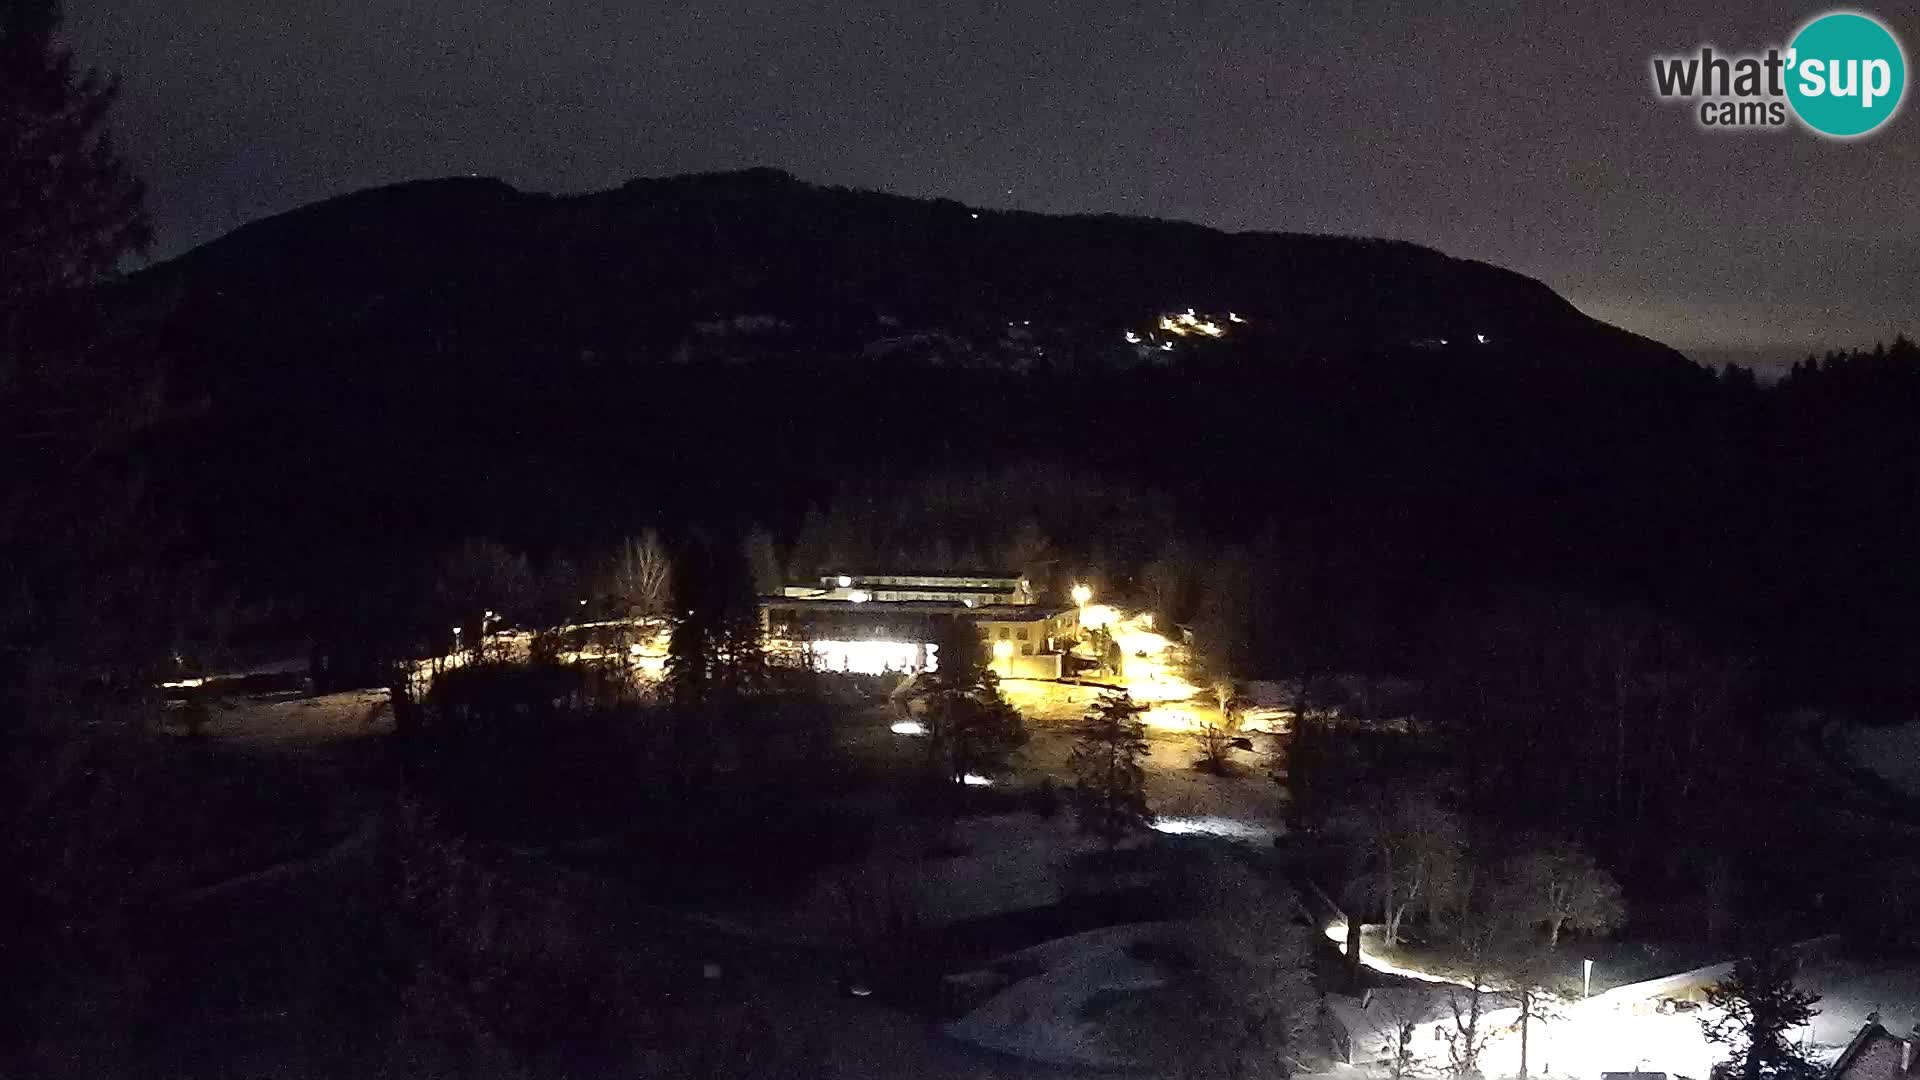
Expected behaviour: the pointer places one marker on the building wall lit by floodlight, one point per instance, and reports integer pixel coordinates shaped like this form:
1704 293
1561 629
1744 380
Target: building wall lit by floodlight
881 622
874 657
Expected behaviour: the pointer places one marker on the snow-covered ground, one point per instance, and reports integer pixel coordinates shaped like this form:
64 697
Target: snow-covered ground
1850 990
1893 752
1020 860
1620 1031
1006 862
1043 1017
294 719
1246 805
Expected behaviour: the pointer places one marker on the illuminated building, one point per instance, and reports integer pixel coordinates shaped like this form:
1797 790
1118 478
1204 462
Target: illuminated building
983 589
876 623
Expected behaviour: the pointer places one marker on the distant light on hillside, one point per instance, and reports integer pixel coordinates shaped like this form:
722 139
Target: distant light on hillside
1170 326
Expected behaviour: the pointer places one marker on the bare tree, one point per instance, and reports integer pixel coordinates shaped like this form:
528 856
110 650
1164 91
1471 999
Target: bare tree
1396 1027
1216 745
1483 937
639 579
1413 850
1563 888
1221 684
1531 972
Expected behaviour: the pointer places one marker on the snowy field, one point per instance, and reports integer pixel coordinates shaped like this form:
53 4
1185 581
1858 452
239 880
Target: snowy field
294 720
1893 752
1043 1017
1005 862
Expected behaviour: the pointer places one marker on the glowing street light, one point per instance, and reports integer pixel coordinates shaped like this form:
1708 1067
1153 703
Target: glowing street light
1082 594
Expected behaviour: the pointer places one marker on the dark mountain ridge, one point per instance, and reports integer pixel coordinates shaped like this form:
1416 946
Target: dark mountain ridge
758 265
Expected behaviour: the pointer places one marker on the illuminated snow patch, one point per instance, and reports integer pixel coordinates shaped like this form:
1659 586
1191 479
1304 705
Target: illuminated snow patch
1222 827
1169 717
1096 616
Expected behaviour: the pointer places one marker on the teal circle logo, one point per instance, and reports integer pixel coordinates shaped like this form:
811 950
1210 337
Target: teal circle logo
1845 74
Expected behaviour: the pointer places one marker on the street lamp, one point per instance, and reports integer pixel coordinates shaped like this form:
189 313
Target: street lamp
1082 594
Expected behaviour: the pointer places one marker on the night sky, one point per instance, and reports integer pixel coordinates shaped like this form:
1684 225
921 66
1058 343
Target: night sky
1516 133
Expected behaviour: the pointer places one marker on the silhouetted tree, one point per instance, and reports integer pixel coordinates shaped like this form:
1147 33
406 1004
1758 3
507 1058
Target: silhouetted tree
1752 1012
1109 792
970 726
716 652
1315 764
70 209
90 592
79 537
